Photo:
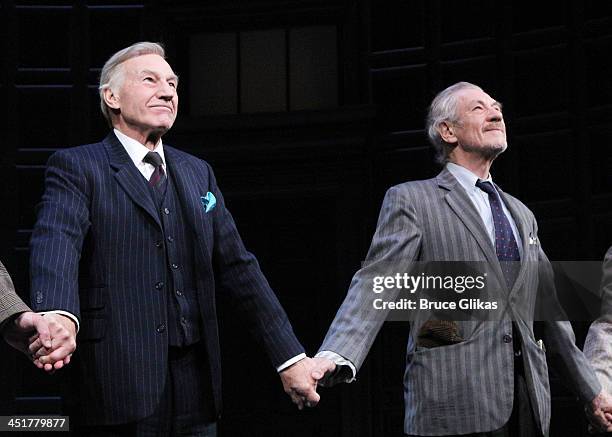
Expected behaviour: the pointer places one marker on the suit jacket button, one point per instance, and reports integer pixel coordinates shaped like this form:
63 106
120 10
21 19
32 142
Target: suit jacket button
158 244
159 285
161 328
507 338
166 211
39 297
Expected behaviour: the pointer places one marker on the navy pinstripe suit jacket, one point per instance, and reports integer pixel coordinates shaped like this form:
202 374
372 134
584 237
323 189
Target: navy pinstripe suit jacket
93 253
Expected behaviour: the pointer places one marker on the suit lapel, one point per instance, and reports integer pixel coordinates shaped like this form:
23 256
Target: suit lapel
462 206
129 178
187 188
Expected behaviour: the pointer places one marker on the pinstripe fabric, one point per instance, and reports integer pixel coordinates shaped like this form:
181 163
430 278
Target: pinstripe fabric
10 303
93 253
466 387
598 344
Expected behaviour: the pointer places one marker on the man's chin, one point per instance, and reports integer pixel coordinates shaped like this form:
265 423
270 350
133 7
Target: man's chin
489 151
162 129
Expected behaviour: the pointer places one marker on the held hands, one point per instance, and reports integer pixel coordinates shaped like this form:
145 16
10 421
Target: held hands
300 380
25 328
62 331
599 413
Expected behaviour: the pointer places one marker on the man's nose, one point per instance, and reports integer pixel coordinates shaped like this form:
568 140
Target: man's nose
166 91
494 115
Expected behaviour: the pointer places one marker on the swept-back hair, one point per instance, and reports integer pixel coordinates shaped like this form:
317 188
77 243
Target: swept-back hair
443 108
112 72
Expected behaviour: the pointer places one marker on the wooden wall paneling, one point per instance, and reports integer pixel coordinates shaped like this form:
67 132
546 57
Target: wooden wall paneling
403 89
546 62
543 157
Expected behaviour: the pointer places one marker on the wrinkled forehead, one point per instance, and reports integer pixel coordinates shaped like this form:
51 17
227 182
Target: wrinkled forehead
148 64
469 96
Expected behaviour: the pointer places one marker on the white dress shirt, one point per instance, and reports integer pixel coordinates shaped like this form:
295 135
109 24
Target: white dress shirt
138 151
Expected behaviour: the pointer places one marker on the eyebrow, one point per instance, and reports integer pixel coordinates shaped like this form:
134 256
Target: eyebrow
173 77
495 103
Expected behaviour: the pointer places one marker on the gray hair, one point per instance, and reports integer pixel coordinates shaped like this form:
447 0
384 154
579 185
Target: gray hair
443 108
112 71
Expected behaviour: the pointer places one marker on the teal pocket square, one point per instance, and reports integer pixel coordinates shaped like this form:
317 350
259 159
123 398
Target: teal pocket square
209 201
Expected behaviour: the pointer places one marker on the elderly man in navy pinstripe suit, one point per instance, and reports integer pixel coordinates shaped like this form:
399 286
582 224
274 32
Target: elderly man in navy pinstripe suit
132 241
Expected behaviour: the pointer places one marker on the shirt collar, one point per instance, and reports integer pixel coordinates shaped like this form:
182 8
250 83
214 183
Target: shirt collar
466 178
138 151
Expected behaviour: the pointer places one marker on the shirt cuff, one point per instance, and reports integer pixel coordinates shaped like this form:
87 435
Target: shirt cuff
64 313
341 363
290 362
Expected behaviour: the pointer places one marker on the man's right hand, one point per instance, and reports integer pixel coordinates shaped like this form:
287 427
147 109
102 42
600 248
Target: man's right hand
63 343
25 327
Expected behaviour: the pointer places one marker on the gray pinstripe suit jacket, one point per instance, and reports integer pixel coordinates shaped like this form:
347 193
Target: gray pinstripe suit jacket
465 387
10 304
598 344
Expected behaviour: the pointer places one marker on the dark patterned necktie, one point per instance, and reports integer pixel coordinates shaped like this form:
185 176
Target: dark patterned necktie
158 177
505 242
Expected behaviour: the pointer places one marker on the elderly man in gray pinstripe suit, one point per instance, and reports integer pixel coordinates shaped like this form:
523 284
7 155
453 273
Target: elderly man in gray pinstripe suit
485 378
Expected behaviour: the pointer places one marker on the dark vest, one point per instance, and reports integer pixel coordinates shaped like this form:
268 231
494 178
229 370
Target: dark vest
184 324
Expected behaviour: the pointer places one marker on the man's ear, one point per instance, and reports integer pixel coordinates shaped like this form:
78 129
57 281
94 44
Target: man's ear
447 132
110 98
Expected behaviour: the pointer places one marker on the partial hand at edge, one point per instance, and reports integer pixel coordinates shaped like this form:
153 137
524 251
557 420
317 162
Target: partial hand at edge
599 412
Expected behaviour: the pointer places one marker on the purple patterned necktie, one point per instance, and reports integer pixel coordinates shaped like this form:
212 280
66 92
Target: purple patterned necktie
505 242
159 176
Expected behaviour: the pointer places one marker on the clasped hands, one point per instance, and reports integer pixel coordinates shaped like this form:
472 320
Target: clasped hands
48 340
300 380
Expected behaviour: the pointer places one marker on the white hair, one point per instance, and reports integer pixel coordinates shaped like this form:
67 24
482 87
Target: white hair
112 73
443 108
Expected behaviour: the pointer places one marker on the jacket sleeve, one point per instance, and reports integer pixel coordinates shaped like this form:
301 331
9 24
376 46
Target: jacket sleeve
563 354
10 303
57 238
395 245
598 344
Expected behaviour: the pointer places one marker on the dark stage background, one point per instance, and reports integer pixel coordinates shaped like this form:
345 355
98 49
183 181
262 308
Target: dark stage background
309 110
